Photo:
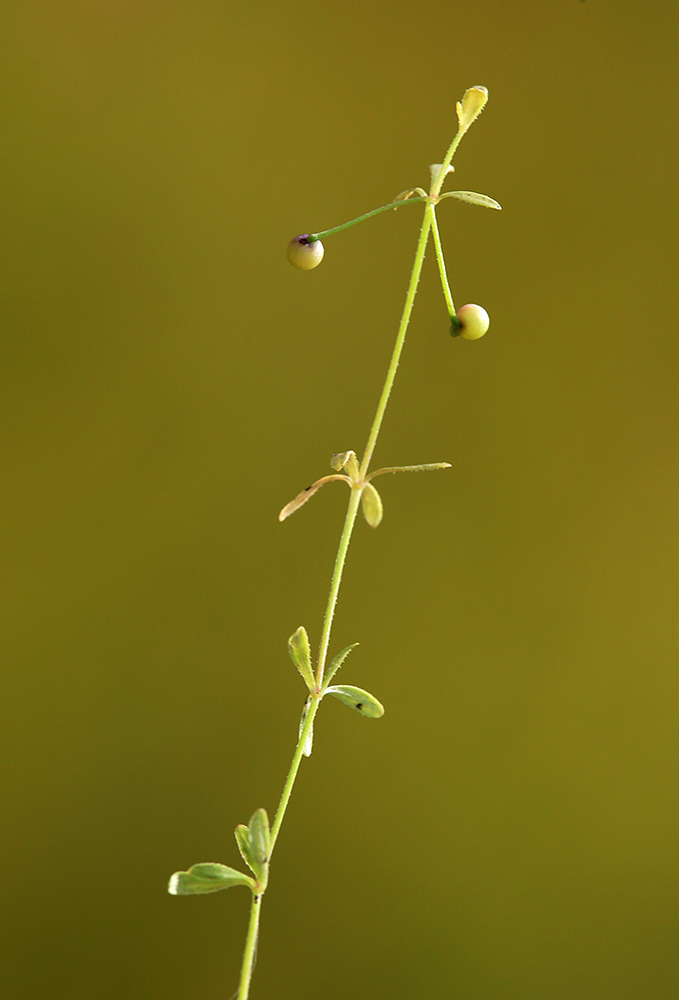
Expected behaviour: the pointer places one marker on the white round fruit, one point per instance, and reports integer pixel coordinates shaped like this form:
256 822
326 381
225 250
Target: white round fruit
305 253
474 321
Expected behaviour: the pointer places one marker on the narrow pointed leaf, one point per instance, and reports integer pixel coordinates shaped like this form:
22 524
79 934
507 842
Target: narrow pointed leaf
208 877
300 654
474 198
361 701
372 505
471 106
306 494
338 661
429 467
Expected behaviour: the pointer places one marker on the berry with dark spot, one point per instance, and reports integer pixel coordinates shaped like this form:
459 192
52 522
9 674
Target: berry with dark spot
305 253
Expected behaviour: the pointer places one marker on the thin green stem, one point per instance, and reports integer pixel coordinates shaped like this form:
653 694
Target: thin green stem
447 294
292 773
376 211
255 909
350 520
250 948
400 339
438 183
340 559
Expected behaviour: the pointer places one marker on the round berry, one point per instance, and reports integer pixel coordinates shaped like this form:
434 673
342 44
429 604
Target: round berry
474 321
305 253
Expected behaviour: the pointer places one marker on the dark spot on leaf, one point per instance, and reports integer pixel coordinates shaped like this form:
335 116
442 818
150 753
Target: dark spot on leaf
359 706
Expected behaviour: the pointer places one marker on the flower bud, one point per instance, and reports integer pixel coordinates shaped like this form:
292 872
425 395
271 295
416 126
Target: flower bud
305 253
474 321
471 106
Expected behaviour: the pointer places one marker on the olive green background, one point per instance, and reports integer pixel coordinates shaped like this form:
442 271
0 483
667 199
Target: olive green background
509 829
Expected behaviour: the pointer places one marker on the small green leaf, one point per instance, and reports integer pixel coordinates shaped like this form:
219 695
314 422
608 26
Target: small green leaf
254 844
242 835
260 837
372 505
207 877
300 654
338 661
358 699
474 198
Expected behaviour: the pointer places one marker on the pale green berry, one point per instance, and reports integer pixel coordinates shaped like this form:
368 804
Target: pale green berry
304 253
474 321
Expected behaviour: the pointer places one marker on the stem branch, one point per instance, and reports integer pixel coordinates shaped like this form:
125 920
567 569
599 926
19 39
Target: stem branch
447 294
376 211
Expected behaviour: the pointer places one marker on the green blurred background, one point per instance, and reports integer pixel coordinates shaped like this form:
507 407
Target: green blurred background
510 828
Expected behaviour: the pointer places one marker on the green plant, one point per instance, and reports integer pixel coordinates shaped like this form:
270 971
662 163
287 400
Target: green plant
256 841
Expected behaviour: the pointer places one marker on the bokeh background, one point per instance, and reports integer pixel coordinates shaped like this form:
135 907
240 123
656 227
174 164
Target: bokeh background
510 828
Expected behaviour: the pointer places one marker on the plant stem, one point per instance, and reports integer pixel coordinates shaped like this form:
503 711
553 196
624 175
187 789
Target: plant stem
250 948
376 211
292 773
340 559
349 521
438 183
400 339
447 294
